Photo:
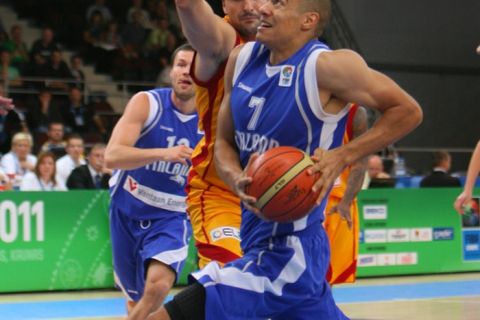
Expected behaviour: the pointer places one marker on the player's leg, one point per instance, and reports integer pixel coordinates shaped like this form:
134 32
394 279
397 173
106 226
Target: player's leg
124 256
162 252
215 216
160 279
343 244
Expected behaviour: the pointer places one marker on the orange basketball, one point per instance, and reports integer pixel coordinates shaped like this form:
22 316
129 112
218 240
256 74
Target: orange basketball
281 184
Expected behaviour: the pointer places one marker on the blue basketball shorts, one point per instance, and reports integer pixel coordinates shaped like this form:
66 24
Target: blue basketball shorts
283 279
134 242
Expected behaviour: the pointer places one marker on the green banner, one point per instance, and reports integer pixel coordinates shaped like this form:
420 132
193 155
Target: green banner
58 241
415 231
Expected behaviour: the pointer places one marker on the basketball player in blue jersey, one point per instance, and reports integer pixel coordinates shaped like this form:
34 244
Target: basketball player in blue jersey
288 89
150 147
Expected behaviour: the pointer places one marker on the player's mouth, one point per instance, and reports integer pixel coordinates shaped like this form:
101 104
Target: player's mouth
185 82
264 25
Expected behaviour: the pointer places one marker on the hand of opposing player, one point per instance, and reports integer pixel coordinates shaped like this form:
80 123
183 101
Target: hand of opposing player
463 199
343 209
179 153
330 164
241 182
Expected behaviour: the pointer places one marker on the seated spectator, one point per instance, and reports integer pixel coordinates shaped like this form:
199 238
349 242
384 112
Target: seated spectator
44 46
10 123
43 111
19 160
43 177
141 15
93 175
375 171
17 48
8 72
5 184
94 29
57 72
76 66
79 117
71 160
439 176
99 6
55 143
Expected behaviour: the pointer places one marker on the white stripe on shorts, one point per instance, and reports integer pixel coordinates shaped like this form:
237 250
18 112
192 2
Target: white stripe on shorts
236 278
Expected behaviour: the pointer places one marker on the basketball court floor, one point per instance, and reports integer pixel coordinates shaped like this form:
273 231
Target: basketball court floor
435 297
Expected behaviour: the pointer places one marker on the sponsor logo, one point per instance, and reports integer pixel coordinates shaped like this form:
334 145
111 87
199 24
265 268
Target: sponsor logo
472 247
387 259
375 212
421 234
407 258
398 235
286 76
442 234
132 185
375 236
367 260
225 232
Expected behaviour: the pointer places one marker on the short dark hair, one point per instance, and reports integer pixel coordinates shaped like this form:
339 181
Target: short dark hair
183 47
439 156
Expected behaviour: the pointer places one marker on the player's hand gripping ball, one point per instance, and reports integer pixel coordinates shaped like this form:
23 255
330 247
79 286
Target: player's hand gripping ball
281 184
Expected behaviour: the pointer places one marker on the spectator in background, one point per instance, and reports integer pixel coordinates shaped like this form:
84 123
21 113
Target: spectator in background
43 177
11 121
57 72
94 30
17 48
79 117
19 160
55 143
472 173
160 41
99 6
439 176
375 171
43 111
5 184
8 72
71 160
138 14
163 79
93 175
76 66
44 46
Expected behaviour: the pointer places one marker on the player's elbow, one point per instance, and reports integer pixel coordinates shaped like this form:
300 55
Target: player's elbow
110 159
415 114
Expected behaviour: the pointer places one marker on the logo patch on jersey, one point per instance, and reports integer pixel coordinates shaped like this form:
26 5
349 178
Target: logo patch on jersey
178 179
244 87
132 185
166 128
225 232
286 76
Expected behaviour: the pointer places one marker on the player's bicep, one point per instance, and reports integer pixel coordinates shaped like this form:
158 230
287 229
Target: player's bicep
346 76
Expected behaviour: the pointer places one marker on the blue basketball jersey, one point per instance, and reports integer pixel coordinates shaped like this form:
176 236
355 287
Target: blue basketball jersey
279 105
159 186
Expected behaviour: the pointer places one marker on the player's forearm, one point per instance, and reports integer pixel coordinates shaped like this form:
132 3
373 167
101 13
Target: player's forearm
227 163
473 170
395 123
127 158
355 180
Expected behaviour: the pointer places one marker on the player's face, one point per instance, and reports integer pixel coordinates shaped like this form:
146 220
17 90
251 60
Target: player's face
243 15
278 17
182 83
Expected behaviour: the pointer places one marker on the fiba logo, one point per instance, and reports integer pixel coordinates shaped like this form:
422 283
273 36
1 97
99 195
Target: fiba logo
225 232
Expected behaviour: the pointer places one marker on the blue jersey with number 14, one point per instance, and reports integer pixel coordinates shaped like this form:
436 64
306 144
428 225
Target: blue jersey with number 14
158 187
279 105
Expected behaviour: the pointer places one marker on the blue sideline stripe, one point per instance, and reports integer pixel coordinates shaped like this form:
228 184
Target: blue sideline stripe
115 307
409 291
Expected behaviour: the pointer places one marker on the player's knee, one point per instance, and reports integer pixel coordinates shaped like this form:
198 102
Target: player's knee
157 287
189 304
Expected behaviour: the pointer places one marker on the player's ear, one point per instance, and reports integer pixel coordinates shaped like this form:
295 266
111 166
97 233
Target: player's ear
310 20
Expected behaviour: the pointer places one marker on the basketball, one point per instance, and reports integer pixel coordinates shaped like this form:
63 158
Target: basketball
281 184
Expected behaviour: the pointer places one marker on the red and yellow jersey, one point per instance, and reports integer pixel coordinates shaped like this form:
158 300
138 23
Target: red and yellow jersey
209 96
340 184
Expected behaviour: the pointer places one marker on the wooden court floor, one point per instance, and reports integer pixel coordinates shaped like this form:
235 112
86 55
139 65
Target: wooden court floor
435 297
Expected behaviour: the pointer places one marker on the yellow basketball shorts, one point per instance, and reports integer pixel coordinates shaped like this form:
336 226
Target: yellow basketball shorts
343 244
215 216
